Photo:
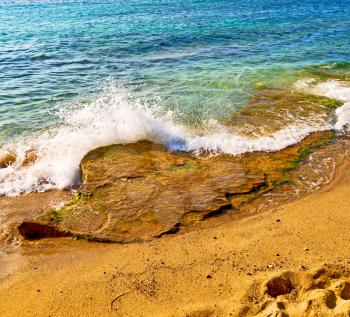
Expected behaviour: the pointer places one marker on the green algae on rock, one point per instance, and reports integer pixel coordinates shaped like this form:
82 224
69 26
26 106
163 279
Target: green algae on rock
336 70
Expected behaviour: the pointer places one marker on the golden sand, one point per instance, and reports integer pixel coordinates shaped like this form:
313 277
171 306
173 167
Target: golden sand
222 271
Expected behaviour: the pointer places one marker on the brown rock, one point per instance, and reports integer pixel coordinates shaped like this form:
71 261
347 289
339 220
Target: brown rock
7 159
30 158
140 192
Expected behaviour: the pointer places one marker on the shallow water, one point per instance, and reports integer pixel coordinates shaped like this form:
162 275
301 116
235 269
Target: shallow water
75 75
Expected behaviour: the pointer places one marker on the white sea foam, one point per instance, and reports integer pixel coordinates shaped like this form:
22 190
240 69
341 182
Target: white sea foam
115 117
111 118
334 89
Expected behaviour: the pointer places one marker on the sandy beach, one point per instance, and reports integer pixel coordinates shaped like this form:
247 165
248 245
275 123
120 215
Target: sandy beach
289 262
174 158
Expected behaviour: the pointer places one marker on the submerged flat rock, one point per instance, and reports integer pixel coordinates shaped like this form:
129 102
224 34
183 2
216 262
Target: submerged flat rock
270 110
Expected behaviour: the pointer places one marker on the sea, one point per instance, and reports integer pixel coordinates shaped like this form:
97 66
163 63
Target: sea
77 75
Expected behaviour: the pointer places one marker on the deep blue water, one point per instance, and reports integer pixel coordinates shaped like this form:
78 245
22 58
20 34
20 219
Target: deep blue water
201 58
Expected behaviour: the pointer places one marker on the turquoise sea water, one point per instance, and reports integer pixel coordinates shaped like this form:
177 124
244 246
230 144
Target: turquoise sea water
201 57
198 60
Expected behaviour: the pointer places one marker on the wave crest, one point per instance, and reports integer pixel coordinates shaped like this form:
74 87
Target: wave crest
116 117
334 89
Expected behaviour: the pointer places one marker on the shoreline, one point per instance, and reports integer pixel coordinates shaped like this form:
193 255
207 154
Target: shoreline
192 164
209 272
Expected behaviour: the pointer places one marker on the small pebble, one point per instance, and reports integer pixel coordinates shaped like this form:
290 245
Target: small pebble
208 276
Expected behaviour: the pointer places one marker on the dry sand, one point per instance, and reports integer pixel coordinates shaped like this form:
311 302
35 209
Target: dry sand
237 269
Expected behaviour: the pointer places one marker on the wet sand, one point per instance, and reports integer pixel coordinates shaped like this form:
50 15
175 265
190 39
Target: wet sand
220 271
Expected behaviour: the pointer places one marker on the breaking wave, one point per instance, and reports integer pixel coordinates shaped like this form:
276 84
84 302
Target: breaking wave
115 117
